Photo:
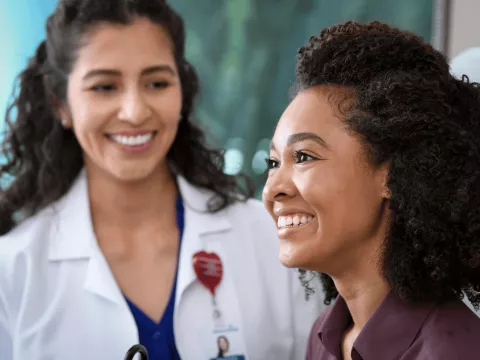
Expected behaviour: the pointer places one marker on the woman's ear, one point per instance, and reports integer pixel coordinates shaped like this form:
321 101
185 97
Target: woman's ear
386 193
383 173
62 113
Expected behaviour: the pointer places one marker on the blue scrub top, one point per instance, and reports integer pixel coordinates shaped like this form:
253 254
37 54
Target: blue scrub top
159 338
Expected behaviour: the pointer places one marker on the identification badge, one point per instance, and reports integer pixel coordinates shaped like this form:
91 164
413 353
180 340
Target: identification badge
226 341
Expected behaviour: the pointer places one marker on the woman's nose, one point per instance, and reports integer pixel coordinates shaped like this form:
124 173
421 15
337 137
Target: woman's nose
134 109
279 185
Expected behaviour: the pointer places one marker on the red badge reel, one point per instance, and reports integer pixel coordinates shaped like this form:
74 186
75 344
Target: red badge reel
209 270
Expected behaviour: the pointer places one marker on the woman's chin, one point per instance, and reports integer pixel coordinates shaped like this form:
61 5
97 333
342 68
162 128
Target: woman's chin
300 257
287 263
289 258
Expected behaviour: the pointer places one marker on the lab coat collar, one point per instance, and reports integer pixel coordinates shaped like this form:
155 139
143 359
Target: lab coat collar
73 235
199 224
195 202
73 238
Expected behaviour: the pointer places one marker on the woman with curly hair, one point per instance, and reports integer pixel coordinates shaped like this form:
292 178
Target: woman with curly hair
119 226
374 182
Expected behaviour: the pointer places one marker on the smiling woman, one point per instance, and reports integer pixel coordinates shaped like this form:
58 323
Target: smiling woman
44 157
379 148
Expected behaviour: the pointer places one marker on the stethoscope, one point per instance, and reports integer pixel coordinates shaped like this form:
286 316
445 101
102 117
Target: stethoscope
136 349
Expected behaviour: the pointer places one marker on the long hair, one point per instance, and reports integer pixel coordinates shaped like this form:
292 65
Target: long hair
42 159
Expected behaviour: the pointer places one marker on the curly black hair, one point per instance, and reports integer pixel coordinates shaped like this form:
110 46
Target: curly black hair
43 158
411 113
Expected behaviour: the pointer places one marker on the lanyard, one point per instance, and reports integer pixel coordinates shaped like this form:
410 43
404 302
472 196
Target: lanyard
134 350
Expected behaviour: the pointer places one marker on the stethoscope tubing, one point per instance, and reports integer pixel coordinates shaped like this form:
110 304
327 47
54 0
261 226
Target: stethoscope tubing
136 349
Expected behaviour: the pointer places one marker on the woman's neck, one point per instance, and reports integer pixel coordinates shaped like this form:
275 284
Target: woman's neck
362 284
363 296
131 205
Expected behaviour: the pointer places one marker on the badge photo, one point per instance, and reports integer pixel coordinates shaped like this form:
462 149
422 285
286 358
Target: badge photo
224 353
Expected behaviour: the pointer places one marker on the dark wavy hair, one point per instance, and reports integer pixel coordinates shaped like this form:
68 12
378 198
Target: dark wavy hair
43 158
411 113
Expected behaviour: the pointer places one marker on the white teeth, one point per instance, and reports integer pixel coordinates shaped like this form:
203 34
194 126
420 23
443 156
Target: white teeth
132 140
294 220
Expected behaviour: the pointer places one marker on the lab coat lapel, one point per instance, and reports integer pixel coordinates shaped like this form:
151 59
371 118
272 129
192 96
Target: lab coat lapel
73 239
199 223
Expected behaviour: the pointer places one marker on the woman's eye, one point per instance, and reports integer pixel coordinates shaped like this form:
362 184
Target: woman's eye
158 84
103 88
271 164
302 157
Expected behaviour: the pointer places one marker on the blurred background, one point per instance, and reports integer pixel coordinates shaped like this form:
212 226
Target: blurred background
244 51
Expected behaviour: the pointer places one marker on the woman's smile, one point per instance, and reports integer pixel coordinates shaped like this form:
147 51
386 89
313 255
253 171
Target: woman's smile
139 141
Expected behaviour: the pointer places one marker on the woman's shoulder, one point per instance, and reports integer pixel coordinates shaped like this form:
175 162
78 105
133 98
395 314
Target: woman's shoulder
36 228
19 249
199 198
452 317
250 208
251 215
25 234
452 329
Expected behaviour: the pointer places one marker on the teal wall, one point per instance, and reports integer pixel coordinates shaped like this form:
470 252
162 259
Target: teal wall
23 27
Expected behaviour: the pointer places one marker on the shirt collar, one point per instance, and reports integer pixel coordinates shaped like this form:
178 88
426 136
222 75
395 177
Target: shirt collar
387 335
336 321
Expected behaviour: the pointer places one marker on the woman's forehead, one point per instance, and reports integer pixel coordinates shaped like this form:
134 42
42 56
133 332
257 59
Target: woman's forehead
310 112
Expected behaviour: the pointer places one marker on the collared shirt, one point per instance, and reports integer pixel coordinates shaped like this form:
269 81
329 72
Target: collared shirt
400 331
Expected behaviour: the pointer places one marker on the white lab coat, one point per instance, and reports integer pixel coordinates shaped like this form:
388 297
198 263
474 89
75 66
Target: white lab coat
59 299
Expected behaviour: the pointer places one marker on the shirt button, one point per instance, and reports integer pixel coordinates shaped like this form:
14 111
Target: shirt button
156 335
